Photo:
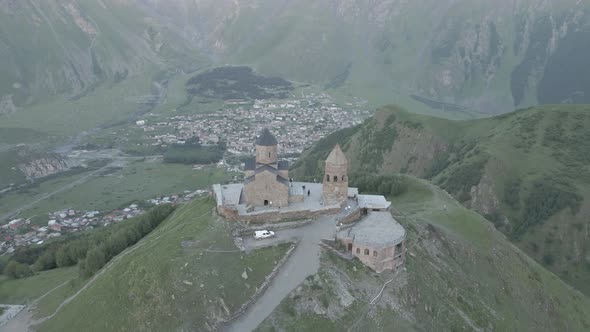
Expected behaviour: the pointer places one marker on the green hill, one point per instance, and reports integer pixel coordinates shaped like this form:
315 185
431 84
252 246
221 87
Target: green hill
528 172
186 275
460 275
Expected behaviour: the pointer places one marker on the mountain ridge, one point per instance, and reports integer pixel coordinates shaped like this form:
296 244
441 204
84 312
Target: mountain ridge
526 171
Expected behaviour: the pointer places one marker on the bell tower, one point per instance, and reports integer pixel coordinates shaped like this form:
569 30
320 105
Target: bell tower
335 183
266 149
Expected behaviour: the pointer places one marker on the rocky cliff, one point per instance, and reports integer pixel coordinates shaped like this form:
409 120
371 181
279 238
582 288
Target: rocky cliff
44 166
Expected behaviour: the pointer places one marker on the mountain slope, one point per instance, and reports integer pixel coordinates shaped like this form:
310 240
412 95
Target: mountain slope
186 275
527 171
460 275
458 57
481 55
69 47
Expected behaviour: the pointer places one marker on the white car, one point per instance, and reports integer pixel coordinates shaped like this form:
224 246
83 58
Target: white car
259 235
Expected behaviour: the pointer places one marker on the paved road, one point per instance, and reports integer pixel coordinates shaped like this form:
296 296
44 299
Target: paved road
304 261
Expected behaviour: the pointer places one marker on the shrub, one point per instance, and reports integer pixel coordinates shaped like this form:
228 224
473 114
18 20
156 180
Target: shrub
16 270
386 185
545 200
512 193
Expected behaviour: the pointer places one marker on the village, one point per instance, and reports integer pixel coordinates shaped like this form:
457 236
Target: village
303 120
21 232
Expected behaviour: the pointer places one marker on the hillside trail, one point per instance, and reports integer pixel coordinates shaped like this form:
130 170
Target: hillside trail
24 320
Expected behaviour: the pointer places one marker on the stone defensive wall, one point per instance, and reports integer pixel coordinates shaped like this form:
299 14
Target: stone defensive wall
232 214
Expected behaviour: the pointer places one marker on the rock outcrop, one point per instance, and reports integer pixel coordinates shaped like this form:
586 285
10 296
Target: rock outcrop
45 166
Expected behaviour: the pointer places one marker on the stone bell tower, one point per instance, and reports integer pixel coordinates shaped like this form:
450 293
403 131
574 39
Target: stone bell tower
266 149
335 184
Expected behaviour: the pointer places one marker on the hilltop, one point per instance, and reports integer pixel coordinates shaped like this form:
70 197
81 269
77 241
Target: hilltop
461 274
527 171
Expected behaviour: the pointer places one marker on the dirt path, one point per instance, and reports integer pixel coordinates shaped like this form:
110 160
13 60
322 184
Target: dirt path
22 320
304 261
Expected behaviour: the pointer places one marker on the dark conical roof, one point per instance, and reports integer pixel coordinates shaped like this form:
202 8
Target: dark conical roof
266 138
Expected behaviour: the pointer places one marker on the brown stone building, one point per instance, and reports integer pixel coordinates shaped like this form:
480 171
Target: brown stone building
266 182
335 183
377 240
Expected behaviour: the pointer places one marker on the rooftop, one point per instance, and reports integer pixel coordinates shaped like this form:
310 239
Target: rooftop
229 195
373 202
266 138
283 165
250 164
337 157
378 229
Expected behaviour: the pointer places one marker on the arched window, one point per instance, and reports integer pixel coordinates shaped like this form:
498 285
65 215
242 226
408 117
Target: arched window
358 251
327 178
335 178
269 154
343 177
375 253
367 252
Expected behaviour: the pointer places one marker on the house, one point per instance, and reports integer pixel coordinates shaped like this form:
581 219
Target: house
369 203
377 240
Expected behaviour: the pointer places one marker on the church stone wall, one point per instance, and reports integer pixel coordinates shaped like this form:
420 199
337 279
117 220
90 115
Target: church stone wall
276 216
266 187
266 154
284 173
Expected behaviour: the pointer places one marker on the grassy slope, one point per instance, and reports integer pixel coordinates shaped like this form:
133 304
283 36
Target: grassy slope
171 281
21 291
461 274
547 145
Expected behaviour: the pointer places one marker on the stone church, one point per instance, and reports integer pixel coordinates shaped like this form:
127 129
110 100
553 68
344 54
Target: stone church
267 178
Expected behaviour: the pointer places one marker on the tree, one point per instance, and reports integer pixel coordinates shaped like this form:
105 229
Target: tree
45 262
95 260
16 270
63 258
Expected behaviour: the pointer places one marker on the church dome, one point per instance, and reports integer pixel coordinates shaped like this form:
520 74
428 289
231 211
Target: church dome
266 138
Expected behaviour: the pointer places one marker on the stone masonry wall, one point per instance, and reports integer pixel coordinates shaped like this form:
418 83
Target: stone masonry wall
266 187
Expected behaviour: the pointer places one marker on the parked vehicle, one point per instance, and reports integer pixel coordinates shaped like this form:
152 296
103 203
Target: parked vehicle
264 234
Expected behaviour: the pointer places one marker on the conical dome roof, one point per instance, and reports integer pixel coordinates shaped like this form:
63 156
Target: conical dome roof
266 138
337 157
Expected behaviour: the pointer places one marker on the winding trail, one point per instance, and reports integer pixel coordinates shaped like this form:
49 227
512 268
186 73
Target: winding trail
304 261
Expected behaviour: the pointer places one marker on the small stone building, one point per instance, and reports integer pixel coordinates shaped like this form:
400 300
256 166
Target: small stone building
378 241
368 203
335 183
266 182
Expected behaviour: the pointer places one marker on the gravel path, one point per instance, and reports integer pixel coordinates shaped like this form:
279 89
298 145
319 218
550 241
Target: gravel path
304 261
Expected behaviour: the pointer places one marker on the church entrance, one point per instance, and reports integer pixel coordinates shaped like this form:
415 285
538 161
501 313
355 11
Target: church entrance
350 247
266 202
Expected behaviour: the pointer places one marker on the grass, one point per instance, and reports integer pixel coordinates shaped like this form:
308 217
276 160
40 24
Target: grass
47 305
22 291
460 274
138 181
479 161
187 274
